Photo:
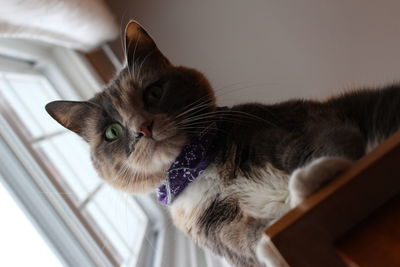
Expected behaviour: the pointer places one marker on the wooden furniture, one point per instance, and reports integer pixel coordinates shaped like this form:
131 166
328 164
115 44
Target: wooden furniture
353 221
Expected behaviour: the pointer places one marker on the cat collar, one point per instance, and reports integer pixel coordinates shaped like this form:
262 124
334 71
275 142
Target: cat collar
194 158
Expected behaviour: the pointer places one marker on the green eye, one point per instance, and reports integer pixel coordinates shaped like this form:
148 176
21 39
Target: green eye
153 94
113 132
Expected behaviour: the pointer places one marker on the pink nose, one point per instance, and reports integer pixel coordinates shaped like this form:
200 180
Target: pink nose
146 128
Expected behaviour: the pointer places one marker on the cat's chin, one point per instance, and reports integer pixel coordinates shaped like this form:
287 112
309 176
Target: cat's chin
139 183
154 155
163 130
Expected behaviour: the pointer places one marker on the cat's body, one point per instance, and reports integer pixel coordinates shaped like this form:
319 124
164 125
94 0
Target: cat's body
228 206
268 157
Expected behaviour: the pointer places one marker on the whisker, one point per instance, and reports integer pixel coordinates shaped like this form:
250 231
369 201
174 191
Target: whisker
196 108
142 63
132 73
232 113
123 42
199 129
218 92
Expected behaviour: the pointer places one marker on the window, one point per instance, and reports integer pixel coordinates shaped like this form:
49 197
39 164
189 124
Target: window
47 169
102 220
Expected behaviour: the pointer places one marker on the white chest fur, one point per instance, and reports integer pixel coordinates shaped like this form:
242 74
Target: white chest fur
196 197
265 197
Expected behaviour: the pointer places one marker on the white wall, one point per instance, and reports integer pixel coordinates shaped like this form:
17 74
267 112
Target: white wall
276 50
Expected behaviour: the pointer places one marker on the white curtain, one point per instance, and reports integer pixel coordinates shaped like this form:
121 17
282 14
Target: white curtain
77 24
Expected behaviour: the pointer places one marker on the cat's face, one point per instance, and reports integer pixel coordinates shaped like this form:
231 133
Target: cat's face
137 126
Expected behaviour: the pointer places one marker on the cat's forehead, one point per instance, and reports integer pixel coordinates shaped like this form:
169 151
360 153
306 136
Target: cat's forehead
124 90
121 98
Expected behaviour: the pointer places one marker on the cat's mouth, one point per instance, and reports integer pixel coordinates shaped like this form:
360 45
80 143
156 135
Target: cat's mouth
156 153
162 130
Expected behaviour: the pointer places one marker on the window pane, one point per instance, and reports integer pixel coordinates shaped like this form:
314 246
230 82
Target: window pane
15 229
120 218
27 95
68 157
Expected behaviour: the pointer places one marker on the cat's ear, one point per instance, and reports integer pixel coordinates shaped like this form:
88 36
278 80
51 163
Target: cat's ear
70 114
141 50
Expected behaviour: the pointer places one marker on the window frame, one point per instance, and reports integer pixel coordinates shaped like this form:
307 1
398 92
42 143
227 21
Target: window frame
78 247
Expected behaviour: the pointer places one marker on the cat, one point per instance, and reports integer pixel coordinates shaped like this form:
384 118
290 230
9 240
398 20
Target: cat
225 173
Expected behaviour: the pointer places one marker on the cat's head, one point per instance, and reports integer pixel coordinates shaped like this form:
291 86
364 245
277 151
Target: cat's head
137 126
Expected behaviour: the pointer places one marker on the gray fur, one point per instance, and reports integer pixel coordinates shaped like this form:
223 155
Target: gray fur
263 147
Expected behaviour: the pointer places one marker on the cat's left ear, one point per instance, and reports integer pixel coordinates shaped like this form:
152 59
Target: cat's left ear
71 114
140 49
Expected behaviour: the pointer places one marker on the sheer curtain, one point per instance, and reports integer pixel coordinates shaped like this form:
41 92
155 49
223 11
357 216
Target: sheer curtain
76 24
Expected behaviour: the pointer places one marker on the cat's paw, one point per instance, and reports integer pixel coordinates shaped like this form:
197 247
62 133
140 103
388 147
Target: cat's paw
307 180
267 253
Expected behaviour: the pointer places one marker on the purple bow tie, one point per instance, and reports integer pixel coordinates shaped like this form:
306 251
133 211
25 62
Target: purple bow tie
194 158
